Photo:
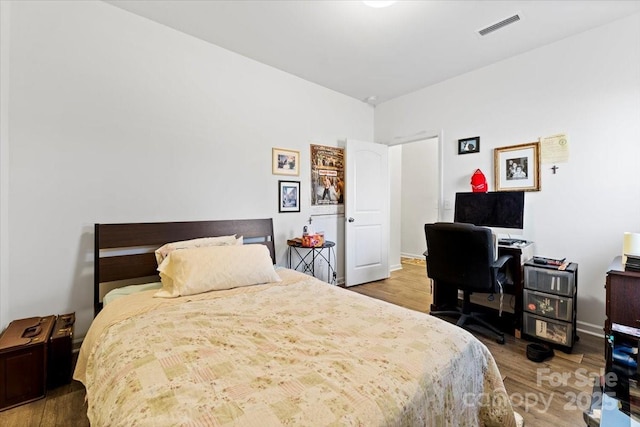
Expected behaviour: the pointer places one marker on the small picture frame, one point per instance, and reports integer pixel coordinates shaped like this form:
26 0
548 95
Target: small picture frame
285 162
469 145
289 196
517 168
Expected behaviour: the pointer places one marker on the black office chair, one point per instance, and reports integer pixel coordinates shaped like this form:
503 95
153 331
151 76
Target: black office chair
462 256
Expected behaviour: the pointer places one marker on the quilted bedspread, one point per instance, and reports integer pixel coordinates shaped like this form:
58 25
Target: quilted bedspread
297 352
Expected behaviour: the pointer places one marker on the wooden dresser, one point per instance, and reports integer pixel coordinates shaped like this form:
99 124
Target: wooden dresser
622 307
622 332
616 395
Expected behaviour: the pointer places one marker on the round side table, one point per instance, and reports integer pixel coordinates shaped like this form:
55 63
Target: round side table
306 257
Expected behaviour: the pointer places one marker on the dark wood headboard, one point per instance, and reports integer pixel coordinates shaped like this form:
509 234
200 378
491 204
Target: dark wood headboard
123 238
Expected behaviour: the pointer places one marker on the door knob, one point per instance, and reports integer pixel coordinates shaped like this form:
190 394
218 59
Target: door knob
351 219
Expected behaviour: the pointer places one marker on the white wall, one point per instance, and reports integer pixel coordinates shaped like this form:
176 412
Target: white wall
395 207
4 159
414 174
588 86
419 194
114 118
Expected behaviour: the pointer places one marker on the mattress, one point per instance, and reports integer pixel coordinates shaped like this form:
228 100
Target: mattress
295 352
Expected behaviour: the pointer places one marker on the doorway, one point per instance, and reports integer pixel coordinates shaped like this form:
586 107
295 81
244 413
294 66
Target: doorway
415 196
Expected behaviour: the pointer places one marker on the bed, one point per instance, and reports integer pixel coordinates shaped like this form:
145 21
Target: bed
291 351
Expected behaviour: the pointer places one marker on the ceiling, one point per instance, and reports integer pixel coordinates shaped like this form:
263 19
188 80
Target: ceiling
376 54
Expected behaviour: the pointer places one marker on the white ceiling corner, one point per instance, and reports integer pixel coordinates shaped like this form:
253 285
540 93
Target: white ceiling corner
384 53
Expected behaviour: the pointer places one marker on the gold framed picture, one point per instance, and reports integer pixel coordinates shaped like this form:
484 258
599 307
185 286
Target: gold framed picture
517 167
285 162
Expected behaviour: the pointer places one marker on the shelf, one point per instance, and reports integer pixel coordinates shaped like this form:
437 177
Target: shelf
627 330
623 310
550 304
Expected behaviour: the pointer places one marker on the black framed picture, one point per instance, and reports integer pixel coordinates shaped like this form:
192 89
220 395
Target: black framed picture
469 145
289 196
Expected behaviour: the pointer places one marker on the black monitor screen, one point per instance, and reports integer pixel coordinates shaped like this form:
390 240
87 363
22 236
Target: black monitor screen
504 209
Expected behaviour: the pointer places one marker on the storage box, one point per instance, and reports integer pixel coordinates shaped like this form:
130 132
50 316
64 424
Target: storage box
548 305
313 240
23 360
60 351
547 329
552 280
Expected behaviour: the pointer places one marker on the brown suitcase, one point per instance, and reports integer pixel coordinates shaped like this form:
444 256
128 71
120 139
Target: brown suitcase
23 360
60 351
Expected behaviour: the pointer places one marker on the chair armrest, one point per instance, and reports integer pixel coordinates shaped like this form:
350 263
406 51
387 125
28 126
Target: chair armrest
500 273
502 261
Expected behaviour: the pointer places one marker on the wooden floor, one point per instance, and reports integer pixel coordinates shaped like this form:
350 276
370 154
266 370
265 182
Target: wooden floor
63 406
552 393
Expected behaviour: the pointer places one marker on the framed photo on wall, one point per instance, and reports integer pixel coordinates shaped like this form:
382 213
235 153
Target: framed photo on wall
517 168
469 145
285 162
289 196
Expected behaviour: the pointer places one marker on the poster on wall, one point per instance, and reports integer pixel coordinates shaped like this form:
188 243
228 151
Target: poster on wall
327 178
554 149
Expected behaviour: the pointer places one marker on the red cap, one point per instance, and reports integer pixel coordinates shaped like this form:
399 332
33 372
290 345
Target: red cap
479 182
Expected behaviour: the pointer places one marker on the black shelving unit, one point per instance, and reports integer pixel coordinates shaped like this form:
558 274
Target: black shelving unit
550 304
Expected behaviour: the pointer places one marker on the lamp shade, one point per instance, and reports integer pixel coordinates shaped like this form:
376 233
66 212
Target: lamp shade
630 245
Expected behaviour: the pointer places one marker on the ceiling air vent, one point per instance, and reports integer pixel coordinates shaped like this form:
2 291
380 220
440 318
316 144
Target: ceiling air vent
498 25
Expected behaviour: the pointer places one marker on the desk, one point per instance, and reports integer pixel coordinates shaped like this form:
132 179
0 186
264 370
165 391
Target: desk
307 257
445 298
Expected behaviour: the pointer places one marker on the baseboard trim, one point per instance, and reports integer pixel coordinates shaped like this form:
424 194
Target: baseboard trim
395 267
590 329
406 255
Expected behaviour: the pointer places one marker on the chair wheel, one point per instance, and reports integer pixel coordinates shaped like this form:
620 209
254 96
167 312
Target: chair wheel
500 340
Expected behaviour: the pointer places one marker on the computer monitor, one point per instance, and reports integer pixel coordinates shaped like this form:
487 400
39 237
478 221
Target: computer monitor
499 209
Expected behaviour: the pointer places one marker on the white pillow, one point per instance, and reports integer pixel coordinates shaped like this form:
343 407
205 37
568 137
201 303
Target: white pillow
164 250
196 270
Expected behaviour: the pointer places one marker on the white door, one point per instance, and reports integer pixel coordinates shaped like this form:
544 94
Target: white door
366 212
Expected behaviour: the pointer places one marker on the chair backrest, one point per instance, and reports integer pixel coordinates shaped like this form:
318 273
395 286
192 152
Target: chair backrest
460 255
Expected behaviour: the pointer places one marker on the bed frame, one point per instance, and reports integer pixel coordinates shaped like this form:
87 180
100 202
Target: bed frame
126 251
